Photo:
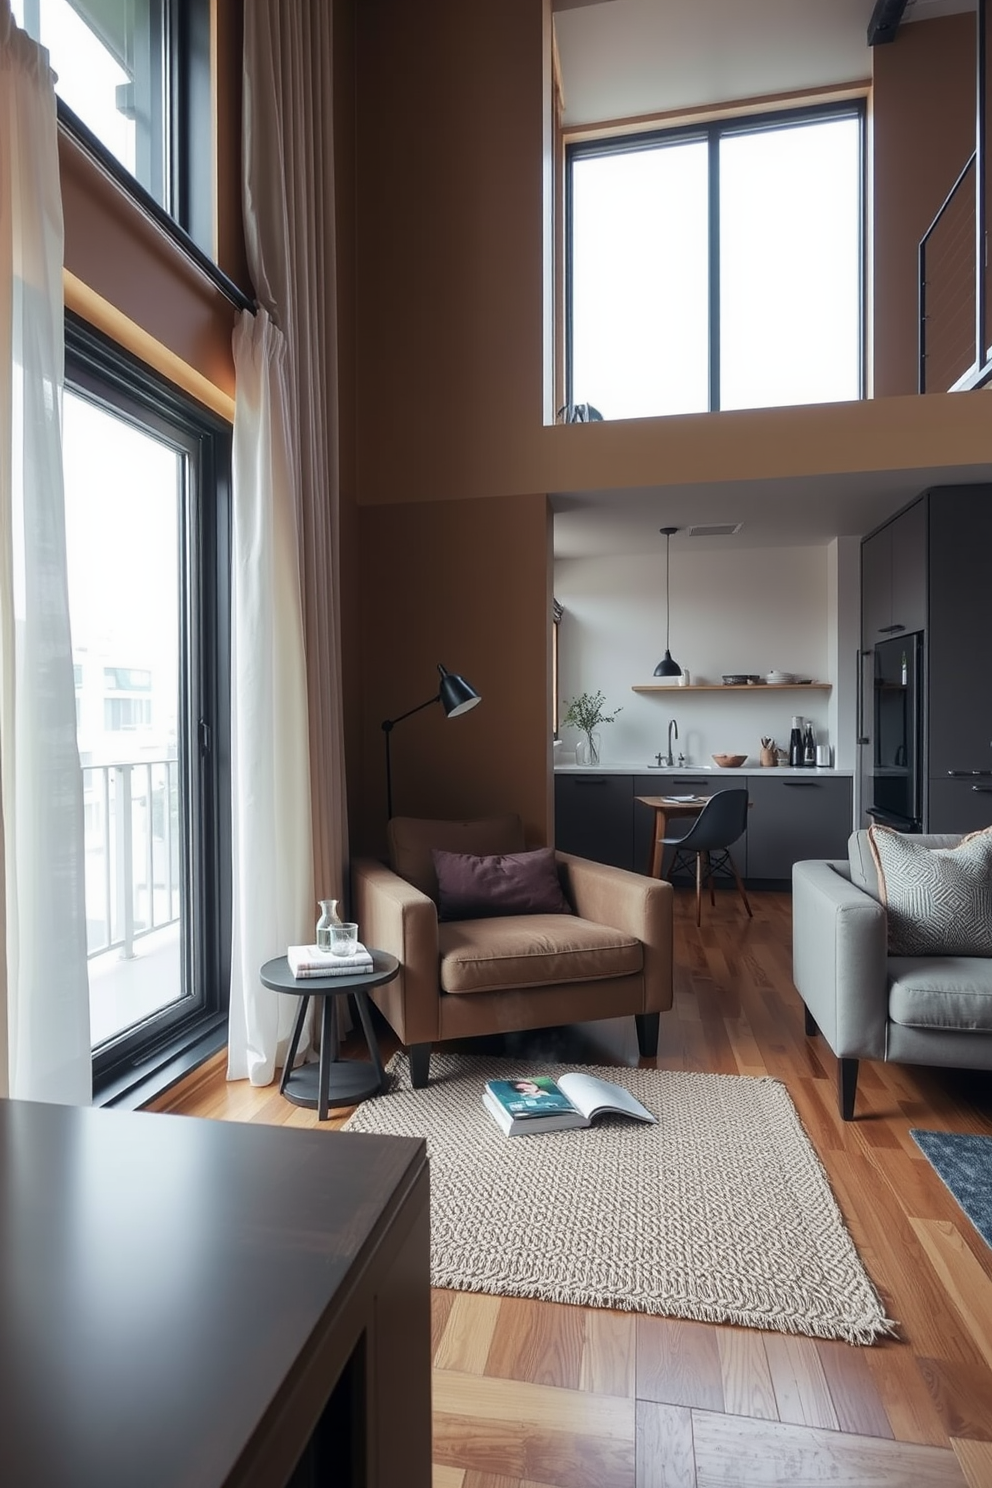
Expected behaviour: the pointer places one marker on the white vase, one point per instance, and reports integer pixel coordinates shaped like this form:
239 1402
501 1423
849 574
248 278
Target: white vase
587 750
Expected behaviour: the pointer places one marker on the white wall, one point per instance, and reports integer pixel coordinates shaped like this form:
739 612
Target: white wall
732 610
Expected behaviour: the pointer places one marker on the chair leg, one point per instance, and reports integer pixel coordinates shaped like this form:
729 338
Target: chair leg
740 886
420 1065
647 1033
810 1022
699 889
847 1085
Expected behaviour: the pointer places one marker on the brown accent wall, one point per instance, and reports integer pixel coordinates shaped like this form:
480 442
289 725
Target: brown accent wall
464 583
924 131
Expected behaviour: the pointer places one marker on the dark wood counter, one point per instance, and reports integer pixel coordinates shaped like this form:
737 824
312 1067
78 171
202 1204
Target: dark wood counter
188 1304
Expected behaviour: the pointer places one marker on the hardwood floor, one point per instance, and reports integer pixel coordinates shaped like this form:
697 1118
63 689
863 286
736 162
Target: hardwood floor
536 1395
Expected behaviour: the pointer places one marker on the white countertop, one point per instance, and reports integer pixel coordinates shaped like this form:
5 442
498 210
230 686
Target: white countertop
776 772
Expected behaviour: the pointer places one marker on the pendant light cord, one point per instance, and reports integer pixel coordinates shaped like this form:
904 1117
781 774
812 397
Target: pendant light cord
668 591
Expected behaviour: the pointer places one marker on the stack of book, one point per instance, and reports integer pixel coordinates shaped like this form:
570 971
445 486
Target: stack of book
311 961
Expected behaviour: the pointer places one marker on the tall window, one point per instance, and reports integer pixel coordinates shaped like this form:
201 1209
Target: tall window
136 75
718 266
146 488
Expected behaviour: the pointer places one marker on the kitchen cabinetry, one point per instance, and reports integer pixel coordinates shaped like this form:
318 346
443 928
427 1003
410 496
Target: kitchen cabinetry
959 672
792 819
594 817
894 576
960 805
598 816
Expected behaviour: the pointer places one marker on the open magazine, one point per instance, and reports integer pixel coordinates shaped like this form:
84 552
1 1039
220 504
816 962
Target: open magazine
527 1106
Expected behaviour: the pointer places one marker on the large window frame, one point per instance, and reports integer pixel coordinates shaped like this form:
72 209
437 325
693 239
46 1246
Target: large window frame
178 1037
711 132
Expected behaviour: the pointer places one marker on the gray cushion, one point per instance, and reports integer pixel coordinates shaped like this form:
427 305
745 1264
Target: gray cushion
863 870
938 900
941 992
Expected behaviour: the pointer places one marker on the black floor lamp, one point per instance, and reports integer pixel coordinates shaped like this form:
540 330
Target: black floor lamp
455 695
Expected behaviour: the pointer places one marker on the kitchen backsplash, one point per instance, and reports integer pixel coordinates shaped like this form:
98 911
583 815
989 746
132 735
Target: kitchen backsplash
747 610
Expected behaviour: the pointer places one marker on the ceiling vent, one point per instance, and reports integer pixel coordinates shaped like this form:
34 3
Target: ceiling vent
716 529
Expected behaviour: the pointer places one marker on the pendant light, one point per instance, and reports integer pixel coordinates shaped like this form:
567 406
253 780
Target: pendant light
667 667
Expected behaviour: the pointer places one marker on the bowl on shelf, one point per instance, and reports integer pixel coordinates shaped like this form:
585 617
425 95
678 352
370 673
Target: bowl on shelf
736 679
779 678
729 761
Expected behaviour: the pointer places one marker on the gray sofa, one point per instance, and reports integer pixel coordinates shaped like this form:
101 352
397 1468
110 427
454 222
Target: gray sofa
867 1004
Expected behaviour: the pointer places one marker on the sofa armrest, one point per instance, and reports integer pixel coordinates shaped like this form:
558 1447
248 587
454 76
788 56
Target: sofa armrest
394 916
631 902
839 958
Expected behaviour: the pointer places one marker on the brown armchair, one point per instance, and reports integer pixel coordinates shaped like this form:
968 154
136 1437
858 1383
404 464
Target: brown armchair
499 975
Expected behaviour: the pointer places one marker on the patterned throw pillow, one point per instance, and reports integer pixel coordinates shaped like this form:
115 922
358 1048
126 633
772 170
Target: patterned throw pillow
938 899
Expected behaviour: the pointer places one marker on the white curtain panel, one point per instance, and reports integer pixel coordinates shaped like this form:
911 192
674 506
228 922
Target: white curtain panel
270 761
46 1007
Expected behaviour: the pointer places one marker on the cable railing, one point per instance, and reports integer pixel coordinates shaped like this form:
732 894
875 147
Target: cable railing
132 852
948 288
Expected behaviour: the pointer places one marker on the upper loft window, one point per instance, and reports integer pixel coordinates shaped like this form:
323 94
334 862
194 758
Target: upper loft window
136 75
718 266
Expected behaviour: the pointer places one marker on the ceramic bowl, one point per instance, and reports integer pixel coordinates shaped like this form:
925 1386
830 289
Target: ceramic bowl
774 677
735 679
729 761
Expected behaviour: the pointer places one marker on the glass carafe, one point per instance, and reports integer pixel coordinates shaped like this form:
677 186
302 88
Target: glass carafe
328 916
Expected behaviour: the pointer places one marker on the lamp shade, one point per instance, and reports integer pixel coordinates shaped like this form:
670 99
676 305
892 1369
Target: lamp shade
667 667
456 695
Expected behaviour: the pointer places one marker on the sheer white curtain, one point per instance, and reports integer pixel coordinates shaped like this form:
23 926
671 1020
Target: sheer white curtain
270 761
46 1007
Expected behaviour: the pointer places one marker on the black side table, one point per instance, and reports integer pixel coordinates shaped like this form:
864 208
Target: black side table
334 1081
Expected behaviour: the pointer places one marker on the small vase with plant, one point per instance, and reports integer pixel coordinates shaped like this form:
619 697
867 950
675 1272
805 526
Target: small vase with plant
586 713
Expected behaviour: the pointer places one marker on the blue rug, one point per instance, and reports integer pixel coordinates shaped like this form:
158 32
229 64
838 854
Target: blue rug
965 1165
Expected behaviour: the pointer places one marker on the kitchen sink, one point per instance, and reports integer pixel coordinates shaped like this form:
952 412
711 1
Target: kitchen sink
680 769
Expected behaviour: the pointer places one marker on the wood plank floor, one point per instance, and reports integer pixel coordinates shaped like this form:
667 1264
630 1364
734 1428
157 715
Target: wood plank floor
536 1395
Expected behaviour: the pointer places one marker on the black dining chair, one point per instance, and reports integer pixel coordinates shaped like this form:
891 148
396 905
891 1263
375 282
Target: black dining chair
720 823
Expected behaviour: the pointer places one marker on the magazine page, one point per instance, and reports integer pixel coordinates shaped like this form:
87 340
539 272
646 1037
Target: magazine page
591 1094
525 1098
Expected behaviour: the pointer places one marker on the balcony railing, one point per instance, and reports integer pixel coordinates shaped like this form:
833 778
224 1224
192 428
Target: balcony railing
133 852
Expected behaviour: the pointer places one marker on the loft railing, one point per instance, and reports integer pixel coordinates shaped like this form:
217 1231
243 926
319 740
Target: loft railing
953 333
132 852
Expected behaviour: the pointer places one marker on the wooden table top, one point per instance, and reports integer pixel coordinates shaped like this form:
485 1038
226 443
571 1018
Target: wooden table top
161 1277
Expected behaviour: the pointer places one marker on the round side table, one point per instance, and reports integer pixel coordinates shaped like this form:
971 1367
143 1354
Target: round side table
334 1081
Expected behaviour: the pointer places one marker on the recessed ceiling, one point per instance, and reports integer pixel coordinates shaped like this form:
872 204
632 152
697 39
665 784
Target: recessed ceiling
808 511
632 57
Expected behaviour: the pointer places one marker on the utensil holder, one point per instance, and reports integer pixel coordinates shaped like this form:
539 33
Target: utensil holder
768 758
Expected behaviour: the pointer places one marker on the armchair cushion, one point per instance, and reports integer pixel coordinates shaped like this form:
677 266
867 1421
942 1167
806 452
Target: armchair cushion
938 899
493 955
411 840
472 886
941 992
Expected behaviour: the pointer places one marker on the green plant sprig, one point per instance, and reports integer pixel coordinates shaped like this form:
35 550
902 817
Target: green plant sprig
586 712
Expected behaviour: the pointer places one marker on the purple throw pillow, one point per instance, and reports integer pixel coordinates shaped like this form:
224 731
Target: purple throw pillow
473 888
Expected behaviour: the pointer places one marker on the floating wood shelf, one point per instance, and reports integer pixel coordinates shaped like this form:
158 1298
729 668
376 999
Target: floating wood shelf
733 687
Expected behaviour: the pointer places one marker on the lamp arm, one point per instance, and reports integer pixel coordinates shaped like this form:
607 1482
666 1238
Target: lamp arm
387 723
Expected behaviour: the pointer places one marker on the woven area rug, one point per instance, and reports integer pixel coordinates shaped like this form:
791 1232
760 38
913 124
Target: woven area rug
965 1165
722 1212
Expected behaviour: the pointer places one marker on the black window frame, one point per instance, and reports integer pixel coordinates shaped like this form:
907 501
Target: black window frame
148 1057
711 132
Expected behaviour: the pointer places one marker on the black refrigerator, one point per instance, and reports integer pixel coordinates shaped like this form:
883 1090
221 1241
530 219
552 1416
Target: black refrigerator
893 766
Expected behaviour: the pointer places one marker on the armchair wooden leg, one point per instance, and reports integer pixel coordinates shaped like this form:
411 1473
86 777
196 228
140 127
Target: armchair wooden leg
647 1033
420 1065
847 1082
810 1022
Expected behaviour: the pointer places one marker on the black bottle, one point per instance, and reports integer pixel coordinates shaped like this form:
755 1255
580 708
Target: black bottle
796 744
809 747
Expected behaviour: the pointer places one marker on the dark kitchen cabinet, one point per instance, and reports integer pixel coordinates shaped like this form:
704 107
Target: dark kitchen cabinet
792 819
594 817
960 805
959 669
894 576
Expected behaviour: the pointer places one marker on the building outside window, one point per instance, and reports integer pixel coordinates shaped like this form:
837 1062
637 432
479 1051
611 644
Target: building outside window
718 266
